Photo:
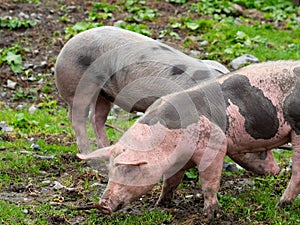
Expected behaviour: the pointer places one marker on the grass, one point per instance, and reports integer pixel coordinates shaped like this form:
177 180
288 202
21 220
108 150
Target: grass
24 169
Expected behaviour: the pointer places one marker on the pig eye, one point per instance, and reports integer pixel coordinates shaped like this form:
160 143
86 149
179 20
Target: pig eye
131 169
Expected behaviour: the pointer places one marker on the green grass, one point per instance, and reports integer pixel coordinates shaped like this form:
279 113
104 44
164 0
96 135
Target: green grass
229 35
266 42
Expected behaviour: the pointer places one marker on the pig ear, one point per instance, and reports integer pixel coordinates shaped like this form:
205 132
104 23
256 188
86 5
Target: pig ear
129 159
131 163
103 153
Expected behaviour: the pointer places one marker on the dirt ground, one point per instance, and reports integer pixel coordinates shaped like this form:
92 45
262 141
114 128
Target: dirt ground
43 45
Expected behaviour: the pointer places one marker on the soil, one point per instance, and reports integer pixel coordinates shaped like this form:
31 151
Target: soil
43 44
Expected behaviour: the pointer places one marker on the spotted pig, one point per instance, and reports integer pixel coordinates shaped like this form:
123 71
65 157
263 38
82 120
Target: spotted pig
254 109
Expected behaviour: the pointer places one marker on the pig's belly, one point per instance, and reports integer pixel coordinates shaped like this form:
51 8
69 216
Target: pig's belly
239 141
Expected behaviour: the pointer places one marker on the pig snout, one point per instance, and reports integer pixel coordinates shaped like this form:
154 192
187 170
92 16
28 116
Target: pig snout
107 206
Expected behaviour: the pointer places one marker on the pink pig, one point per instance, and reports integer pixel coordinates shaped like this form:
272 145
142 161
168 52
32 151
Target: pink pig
254 109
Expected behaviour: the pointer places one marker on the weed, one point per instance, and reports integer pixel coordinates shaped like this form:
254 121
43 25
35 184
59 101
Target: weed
71 31
12 56
213 7
138 28
15 23
178 1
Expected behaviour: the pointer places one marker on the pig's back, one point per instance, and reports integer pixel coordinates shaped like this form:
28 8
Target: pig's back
83 49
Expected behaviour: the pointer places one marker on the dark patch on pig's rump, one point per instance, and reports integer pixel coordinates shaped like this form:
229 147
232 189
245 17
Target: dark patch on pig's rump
260 114
291 108
178 69
296 70
201 75
84 60
185 108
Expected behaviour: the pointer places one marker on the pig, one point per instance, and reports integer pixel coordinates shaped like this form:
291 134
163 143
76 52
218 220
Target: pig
253 109
109 65
131 70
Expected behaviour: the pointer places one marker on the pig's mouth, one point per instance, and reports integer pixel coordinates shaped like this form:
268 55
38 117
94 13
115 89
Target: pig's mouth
107 207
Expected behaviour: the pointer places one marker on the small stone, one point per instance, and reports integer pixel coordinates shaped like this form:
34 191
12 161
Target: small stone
230 167
204 43
18 107
11 84
32 109
41 81
195 53
25 211
35 147
140 114
240 61
28 66
5 128
24 15
58 185
189 196
119 22
111 118
43 64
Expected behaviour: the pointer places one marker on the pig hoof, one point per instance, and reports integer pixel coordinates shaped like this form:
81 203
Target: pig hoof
103 207
283 204
165 201
81 156
211 212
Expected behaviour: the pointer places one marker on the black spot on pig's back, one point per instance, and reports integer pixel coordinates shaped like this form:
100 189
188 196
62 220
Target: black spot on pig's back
185 108
260 114
178 69
291 106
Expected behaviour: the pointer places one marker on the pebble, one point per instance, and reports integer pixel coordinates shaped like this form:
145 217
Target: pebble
189 196
11 84
46 182
204 43
32 109
195 53
24 15
19 107
240 61
5 128
119 22
25 211
140 114
28 66
230 167
35 147
111 118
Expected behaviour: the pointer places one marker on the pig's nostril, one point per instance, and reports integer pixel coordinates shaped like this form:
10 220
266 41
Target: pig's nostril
103 207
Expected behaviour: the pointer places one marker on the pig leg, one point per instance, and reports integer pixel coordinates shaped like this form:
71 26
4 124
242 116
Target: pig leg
210 181
257 162
83 98
169 185
98 118
293 188
79 129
